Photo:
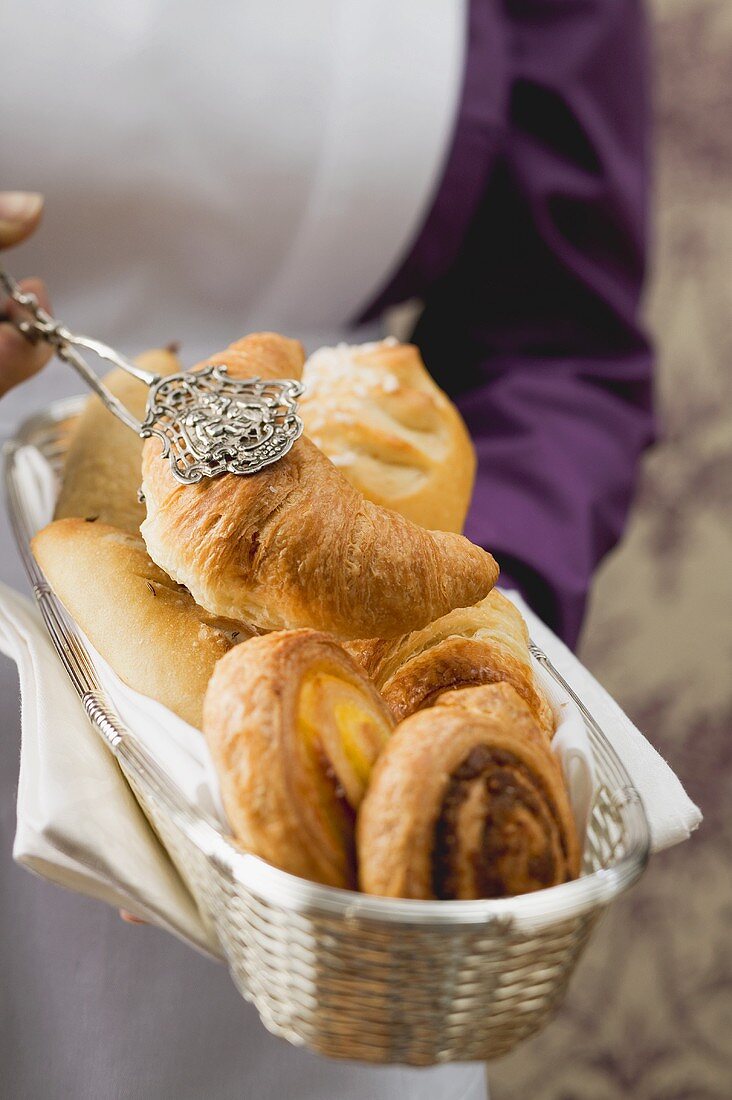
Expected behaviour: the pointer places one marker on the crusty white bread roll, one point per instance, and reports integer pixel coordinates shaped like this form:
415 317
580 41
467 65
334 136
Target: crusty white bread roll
146 627
376 413
102 466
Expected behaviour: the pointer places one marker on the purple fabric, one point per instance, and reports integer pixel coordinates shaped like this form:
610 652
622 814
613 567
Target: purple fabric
530 265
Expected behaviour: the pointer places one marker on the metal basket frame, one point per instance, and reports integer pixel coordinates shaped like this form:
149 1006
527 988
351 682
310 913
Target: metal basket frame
347 974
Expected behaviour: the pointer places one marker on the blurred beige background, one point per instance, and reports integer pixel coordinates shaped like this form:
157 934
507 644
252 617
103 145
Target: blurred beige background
649 1015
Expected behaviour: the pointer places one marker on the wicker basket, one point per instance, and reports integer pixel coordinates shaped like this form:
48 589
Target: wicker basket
348 975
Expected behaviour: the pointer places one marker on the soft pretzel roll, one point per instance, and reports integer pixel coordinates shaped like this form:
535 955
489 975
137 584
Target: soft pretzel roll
464 805
294 728
101 474
376 413
483 644
143 624
296 545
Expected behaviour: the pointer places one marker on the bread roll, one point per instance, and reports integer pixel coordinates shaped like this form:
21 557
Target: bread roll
143 624
294 728
295 545
376 413
102 474
483 644
466 805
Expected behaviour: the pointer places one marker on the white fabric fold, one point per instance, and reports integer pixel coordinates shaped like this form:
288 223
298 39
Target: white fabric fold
672 815
78 823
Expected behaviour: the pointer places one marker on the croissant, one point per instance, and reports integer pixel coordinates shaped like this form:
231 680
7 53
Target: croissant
101 475
465 805
295 545
377 414
482 644
143 624
294 728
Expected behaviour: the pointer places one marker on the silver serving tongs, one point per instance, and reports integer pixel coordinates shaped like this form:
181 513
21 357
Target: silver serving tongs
209 423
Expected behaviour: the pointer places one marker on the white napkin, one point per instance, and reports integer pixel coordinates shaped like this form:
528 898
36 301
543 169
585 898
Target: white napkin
79 824
672 815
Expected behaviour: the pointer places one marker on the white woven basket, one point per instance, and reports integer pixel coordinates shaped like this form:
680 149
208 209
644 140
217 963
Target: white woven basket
353 976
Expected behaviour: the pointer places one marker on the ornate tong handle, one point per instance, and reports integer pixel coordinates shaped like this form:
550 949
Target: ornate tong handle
40 325
209 423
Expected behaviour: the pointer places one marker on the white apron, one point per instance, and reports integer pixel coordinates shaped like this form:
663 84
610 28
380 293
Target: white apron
209 169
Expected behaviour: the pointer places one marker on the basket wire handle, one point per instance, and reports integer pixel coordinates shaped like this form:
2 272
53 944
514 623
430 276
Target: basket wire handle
208 422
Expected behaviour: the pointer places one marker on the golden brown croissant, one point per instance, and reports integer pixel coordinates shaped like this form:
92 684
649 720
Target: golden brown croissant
294 728
483 644
377 414
143 624
295 545
465 805
102 473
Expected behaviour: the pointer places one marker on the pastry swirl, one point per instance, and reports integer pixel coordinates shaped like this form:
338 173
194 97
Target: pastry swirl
466 805
296 545
294 728
484 644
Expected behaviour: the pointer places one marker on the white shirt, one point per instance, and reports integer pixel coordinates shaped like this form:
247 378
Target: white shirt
209 169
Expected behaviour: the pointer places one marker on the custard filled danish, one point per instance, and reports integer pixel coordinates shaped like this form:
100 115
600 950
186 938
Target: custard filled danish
484 644
466 805
294 728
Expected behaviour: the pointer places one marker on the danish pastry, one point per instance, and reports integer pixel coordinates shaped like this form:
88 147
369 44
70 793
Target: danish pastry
465 805
294 728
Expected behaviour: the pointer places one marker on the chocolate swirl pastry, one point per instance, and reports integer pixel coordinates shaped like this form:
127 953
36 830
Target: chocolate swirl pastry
466 805
294 728
484 644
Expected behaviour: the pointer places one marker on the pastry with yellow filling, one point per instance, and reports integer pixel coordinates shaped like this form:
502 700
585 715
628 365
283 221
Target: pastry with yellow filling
294 728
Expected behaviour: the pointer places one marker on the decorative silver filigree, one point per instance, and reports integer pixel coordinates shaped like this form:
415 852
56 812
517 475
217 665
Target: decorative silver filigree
208 422
213 424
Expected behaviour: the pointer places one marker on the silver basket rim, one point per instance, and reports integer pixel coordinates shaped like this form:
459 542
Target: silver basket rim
528 912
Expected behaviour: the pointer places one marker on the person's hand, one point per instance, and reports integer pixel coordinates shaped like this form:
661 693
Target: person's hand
20 213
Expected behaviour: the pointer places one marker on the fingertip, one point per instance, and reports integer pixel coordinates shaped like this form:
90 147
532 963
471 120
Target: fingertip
20 213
